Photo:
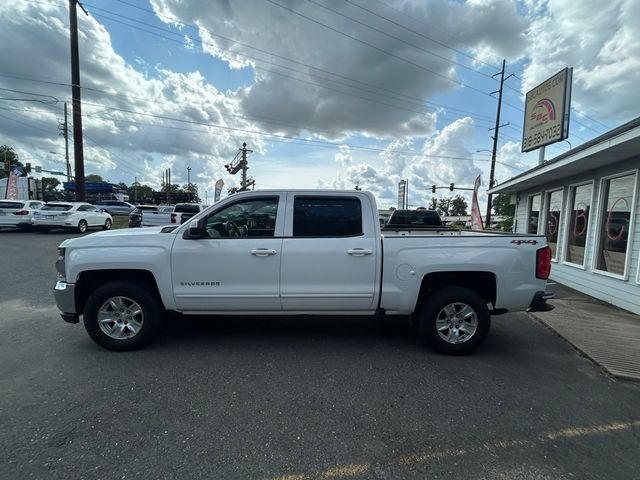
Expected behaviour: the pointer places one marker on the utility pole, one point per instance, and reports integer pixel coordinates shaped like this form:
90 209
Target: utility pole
495 144
189 183
78 150
64 128
135 189
242 164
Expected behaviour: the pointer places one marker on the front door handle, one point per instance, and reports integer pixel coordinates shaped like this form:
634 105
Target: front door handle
263 252
359 252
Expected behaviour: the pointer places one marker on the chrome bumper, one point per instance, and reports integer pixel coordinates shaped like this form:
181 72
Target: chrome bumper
65 295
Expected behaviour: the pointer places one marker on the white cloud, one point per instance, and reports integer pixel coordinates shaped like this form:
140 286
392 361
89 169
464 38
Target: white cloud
601 41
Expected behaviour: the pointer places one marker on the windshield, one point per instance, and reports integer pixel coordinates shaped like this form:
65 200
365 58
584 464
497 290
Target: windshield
11 204
56 207
187 208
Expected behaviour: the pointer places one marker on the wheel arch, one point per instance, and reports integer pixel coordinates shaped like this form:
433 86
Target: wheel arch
89 281
481 283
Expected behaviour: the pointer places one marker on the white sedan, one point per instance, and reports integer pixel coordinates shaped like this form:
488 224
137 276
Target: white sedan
18 213
72 215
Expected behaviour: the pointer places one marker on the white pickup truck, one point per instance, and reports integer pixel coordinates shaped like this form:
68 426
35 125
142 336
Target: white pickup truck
171 215
292 253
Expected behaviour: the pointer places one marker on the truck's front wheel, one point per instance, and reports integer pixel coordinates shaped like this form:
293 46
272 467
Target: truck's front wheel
454 321
122 316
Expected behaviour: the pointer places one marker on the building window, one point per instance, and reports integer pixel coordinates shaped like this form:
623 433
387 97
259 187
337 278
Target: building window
615 220
580 201
534 213
552 225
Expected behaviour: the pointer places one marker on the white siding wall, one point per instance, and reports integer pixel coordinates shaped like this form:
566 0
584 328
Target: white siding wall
622 293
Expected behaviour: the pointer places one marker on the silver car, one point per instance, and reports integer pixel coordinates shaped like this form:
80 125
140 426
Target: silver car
115 207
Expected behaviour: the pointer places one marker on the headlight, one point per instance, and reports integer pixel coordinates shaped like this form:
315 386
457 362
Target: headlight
60 262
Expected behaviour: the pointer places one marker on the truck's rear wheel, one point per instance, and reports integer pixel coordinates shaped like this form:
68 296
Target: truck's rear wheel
454 321
122 316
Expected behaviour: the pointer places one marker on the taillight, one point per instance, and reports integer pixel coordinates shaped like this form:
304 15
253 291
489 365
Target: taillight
21 212
173 218
543 263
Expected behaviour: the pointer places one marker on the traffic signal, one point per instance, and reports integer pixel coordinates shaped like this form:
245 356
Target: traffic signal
6 165
433 188
451 187
27 167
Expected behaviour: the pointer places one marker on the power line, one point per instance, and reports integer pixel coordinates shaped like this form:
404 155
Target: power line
448 60
418 102
275 136
386 52
476 59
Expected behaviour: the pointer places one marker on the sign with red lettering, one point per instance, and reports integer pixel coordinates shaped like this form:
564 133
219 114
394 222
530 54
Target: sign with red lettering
546 115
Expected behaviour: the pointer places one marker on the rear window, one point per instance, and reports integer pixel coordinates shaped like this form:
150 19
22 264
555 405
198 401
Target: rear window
146 208
419 218
11 204
327 217
56 207
187 208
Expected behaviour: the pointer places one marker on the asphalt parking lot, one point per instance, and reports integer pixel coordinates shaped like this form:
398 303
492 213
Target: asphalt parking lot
295 398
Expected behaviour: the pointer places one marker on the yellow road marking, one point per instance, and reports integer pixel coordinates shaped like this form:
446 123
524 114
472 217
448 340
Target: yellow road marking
346 471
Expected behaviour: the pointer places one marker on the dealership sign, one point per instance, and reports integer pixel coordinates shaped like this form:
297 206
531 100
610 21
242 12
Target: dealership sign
546 112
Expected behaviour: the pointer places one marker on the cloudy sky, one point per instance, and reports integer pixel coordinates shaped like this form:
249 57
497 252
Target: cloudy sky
327 93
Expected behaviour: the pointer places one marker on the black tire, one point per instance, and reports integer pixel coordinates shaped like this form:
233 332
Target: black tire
107 225
445 310
151 316
82 226
43 229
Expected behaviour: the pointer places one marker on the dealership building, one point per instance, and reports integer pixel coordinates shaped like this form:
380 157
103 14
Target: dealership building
586 203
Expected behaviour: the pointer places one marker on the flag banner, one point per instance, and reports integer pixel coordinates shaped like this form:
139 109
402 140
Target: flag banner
12 184
218 190
476 218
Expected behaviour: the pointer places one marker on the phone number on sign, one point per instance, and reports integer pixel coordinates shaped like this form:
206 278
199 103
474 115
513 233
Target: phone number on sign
542 137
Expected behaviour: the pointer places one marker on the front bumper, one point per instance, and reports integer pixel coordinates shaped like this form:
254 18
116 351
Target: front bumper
539 302
65 296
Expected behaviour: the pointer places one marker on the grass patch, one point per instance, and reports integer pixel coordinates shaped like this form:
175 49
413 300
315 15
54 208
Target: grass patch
120 221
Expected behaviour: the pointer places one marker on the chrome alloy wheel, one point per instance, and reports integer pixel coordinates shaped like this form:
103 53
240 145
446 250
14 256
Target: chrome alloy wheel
456 323
120 318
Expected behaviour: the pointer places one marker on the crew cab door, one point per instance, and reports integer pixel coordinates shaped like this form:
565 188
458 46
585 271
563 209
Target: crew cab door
235 264
329 254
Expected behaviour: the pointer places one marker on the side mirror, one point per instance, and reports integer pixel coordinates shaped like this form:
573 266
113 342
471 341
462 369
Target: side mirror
195 229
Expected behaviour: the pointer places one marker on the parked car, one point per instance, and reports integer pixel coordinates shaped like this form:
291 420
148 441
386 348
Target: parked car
18 213
177 215
115 207
135 217
159 216
71 215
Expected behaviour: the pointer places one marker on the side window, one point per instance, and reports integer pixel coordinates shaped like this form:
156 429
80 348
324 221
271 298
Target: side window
247 218
327 217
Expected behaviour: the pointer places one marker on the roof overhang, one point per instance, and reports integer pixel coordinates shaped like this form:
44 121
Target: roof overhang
620 144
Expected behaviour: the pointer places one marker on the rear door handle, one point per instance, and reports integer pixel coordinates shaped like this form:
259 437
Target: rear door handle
263 252
359 252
